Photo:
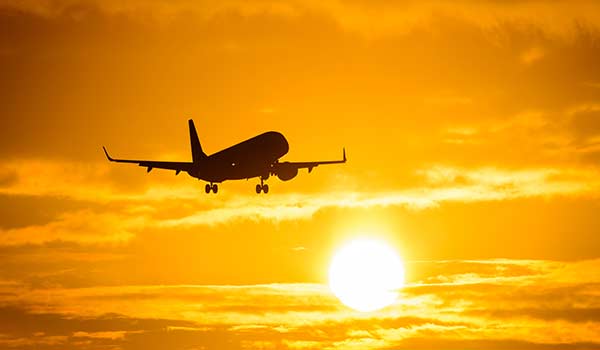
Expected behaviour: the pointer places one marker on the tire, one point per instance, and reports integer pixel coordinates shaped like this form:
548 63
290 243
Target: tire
265 188
207 188
258 189
215 188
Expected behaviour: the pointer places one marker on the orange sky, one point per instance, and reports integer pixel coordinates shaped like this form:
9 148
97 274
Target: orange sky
473 136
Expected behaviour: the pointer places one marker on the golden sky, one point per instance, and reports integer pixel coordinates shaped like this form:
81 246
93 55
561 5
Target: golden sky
473 137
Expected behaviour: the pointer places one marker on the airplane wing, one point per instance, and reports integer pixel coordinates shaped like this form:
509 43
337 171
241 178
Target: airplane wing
150 164
311 165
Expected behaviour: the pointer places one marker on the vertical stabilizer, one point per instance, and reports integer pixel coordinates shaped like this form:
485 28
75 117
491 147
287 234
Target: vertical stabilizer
197 152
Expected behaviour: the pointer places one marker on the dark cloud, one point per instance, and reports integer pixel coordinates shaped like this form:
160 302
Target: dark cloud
183 339
574 303
321 334
59 263
586 123
16 323
574 314
22 210
489 344
7 178
21 323
159 333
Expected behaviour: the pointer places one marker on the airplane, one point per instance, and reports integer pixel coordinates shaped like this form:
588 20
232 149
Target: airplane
255 157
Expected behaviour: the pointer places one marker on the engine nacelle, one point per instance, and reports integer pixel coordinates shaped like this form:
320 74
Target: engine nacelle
286 171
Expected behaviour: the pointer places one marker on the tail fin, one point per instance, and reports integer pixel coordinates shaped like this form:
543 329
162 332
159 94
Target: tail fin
197 153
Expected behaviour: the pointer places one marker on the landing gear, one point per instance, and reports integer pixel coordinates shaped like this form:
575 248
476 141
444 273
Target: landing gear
211 187
262 187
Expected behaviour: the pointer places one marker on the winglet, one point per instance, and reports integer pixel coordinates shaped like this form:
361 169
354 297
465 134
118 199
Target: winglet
107 156
344 152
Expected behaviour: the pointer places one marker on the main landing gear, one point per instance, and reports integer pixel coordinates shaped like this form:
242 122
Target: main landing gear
211 187
262 187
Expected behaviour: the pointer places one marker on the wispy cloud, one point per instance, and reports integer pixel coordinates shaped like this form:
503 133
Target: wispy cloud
443 184
180 204
532 55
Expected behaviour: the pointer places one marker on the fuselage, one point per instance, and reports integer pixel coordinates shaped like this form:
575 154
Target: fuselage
251 158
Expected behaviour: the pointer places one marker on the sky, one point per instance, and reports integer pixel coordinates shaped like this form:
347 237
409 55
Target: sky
472 130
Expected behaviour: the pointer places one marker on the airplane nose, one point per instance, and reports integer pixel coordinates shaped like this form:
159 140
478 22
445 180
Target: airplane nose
283 144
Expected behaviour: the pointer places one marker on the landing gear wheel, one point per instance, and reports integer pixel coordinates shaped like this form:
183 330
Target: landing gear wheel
207 188
265 188
258 188
215 188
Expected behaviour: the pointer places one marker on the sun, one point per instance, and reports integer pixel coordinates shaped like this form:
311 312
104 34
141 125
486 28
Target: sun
366 274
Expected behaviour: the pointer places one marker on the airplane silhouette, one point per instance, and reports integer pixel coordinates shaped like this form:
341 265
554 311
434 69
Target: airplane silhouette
255 157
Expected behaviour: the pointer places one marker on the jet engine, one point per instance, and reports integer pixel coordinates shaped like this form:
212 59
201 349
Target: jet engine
286 171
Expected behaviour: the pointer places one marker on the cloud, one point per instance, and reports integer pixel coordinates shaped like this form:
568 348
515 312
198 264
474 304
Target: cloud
23 329
74 202
81 226
353 15
533 304
532 55
472 130
25 210
444 184
585 121
7 178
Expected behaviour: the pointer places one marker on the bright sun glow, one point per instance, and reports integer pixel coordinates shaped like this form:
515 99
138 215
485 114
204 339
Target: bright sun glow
366 274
